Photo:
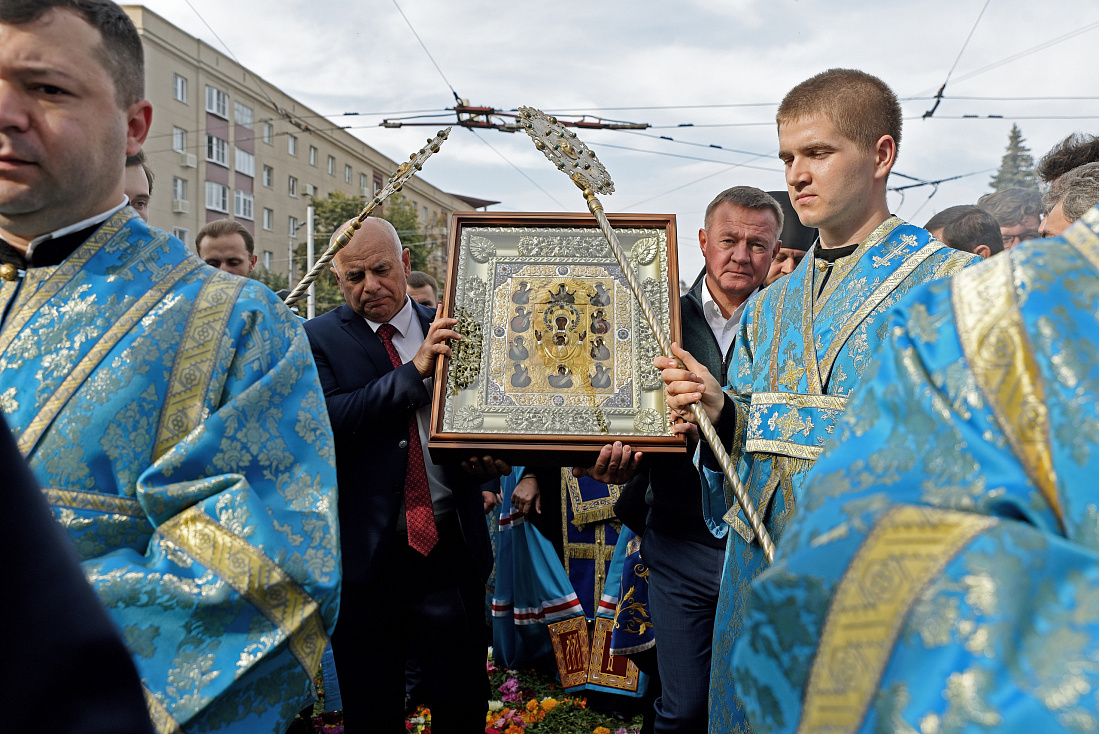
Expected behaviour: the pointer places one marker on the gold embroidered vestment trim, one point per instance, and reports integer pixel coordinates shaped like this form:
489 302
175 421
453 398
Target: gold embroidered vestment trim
196 359
80 372
996 347
907 548
256 578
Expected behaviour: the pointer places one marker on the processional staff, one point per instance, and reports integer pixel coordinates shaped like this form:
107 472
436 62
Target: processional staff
407 170
565 150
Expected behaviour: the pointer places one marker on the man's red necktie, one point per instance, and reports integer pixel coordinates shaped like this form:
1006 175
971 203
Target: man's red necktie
422 533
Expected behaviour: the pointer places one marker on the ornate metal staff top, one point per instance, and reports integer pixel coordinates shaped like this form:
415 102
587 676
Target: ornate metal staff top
407 170
565 150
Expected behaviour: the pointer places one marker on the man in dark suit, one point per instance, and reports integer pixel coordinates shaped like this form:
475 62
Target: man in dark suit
415 544
683 554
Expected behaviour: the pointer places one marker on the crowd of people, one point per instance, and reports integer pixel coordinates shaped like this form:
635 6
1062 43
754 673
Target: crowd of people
912 412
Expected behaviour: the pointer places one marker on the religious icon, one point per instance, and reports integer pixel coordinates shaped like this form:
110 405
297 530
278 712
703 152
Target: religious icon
599 324
521 294
520 377
557 355
601 379
562 379
518 350
521 321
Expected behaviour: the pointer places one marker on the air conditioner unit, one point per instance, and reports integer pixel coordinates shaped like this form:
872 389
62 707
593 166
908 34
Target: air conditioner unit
310 190
181 206
188 160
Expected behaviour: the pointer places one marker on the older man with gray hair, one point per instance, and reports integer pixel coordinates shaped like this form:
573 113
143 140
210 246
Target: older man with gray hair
1069 197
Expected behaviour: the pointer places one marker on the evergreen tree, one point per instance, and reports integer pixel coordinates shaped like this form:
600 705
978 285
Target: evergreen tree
1017 165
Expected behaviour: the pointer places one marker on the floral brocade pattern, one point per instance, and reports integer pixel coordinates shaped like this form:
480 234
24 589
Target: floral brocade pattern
245 452
797 357
983 413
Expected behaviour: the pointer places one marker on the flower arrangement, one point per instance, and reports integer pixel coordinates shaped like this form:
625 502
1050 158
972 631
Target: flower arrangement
529 704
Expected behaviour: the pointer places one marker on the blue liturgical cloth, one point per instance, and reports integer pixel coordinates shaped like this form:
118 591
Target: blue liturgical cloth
942 571
800 351
171 413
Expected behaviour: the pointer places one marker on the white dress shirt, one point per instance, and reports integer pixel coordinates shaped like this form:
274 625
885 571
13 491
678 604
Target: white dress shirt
407 340
724 329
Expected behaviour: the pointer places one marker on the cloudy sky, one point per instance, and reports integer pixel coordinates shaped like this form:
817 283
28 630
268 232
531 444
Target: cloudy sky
701 72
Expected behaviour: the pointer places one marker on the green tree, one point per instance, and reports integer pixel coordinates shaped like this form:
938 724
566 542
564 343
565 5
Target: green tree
328 213
400 212
332 211
1017 165
274 281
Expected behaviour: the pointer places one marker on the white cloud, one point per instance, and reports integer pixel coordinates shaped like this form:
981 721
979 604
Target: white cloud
346 55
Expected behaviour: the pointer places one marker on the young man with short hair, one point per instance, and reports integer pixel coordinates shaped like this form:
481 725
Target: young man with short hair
171 412
967 228
227 245
804 342
138 185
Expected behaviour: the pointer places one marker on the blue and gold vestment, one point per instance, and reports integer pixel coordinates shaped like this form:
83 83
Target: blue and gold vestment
799 352
942 572
173 415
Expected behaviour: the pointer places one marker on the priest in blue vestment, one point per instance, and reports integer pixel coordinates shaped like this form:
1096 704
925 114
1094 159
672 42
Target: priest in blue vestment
804 342
941 573
171 412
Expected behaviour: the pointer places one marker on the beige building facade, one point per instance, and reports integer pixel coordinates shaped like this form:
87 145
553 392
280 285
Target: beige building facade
226 144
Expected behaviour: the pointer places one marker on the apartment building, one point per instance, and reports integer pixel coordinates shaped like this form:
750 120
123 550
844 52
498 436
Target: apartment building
225 143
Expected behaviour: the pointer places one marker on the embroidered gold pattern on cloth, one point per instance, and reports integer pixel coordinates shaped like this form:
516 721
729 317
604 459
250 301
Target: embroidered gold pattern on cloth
906 549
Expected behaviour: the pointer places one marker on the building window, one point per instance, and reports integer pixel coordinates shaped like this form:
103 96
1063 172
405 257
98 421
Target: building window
331 166
217 197
179 140
292 144
377 182
362 183
293 226
180 90
217 150
179 188
243 204
245 163
217 102
425 213
312 155
347 174
268 256
243 115
181 234
268 219
293 186
268 176
268 133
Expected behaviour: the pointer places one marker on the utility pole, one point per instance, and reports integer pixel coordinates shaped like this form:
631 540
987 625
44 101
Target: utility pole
310 255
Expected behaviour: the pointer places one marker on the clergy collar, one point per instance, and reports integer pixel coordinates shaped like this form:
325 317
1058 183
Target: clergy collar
401 322
831 254
52 248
